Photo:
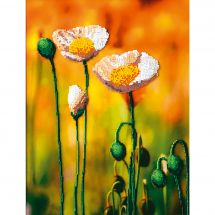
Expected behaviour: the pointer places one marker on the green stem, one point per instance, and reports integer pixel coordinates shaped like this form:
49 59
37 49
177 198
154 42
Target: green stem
129 206
77 170
124 161
185 148
120 127
85 141
58 138
179 194
133 152
160 159
138 172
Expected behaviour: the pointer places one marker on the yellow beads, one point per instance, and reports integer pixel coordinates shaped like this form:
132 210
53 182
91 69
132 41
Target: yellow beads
82 47
124 75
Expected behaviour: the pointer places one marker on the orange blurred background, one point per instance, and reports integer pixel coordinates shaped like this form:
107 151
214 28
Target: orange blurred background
158 27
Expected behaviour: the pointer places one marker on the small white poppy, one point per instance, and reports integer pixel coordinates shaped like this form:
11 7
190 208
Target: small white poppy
77 99
128 71
81 43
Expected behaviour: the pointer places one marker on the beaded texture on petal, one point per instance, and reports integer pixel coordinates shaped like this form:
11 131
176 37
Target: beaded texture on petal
77 99
147 65
96 33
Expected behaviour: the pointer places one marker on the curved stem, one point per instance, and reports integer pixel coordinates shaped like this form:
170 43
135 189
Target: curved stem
160 159
120 127
133 152
58 138
185 148
123 208
85 142
115 164
124 161
112 193
159 166
77 169
179 194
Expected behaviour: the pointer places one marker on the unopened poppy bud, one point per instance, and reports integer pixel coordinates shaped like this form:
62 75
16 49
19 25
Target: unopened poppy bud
77 100
144 157
119 187
147 207
174 164
46 48
118 150
158 178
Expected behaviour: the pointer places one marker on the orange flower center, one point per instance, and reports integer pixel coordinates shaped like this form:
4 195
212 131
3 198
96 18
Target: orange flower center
82 47
124 75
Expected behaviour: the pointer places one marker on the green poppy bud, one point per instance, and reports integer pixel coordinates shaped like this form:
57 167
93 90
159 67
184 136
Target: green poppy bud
158 178
46 48
118 151
120 186
174 164
144 157
147 208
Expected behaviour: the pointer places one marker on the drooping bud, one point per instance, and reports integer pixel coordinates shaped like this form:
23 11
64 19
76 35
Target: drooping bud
118 150
119 187
144 159
77 100
174 164
158 178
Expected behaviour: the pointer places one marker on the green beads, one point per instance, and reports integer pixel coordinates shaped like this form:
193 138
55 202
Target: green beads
46 48
158 178
144 157
174 164
120 185
118 150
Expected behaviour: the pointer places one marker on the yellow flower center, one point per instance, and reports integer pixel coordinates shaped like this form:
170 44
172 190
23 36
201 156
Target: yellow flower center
124 75
82 47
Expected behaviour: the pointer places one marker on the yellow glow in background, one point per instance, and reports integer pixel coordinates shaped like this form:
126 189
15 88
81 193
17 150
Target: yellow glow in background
158 27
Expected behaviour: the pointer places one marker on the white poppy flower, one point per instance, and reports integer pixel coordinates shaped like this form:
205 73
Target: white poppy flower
128 71
81 43
77 100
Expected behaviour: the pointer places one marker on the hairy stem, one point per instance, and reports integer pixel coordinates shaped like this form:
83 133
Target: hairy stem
77 169
133 153
185 148
58 138
85 141
181 201
138 172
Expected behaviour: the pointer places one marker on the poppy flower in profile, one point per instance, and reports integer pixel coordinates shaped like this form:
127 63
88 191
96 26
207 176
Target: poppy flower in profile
77 100
81 43
128 71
